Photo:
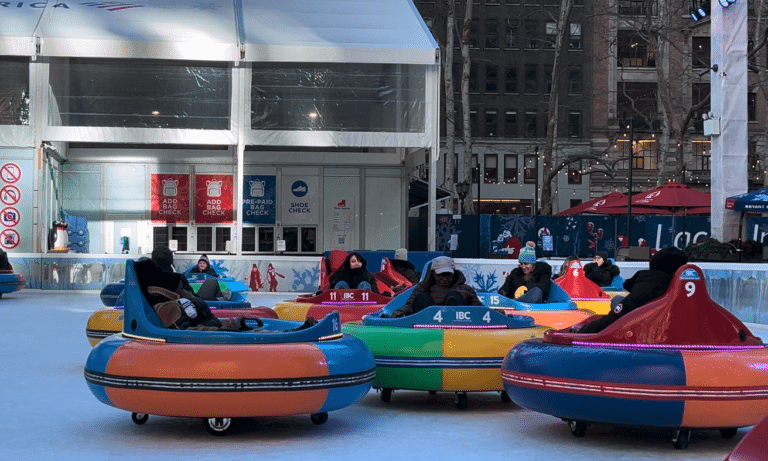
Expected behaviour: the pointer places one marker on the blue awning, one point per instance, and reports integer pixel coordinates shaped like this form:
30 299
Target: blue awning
751 202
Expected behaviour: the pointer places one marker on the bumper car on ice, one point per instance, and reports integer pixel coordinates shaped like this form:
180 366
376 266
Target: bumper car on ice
681 362
10 282
559 311
584 292
110 294
455 349
352 304
753 446
221 375
108 321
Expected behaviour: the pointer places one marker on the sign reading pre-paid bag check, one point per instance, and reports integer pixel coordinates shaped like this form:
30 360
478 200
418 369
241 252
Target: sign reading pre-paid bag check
214 203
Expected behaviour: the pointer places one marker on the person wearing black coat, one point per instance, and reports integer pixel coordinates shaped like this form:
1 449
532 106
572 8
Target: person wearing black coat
354 274
602 271
405 267
5 265
150 274
204 267
444 286
643 287
163 258
531 280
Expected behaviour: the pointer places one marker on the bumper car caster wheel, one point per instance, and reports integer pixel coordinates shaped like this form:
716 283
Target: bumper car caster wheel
218 426
680 439
462 401
505 397
319 418
139 418
728 433
386 394
578 429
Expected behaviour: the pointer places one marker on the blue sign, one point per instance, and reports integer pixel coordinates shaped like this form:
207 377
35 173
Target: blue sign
259 195
299 188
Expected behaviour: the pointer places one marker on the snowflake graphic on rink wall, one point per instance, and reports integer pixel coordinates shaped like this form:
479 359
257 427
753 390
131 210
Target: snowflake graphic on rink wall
486 283
306 280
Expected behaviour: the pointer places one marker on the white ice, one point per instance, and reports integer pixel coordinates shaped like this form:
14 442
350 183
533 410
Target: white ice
48 413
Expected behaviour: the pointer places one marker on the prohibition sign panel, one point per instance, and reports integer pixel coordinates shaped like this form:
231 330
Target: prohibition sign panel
10 195
9 239
10 216
10 173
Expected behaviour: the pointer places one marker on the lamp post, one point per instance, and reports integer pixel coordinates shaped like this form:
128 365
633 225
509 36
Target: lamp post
629 178
478 177
462 189
536 198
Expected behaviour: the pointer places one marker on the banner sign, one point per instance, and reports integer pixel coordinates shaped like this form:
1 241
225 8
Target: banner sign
259 199
170 198
214 199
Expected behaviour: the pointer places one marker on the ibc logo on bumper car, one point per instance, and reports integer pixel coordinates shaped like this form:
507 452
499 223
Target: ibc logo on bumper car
689 274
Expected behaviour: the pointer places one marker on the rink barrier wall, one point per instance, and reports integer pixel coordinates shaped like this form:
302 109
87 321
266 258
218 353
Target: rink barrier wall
742 288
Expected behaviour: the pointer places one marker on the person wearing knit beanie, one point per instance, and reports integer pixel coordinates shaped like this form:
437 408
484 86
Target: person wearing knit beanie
531 280
204 267
643 287
163 257
406 268
602 270
528 253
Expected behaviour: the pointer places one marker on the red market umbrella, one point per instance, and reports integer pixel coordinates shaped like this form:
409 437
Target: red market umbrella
624 209
672 196
618 205
596 202
698 210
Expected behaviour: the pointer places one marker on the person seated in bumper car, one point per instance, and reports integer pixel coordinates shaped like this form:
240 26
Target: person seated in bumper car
643 287
444 286
602 270
531 280
354 274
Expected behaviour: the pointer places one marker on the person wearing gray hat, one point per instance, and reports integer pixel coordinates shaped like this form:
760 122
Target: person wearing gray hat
405 267
444 286
602 270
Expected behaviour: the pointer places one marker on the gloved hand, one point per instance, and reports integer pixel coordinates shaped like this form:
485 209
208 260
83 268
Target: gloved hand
574 329
397 313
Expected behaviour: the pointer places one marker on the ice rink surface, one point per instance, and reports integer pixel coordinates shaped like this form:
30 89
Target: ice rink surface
48 413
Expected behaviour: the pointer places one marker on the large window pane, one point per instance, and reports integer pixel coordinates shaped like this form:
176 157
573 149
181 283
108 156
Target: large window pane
140 94
14 91
338 97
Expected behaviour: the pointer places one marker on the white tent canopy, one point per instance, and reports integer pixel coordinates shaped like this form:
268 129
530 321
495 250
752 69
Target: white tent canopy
363 31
